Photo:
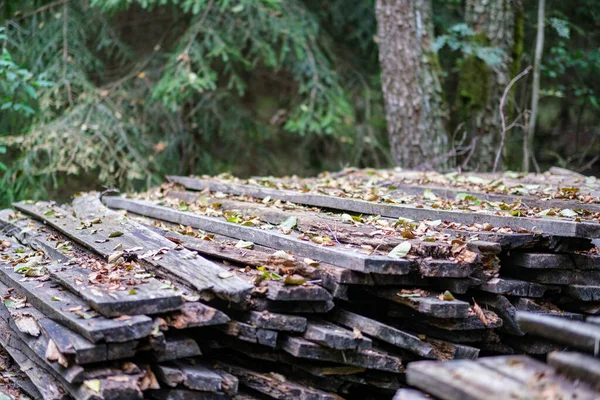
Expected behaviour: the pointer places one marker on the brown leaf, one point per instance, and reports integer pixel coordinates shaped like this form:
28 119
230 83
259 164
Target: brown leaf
27 324
480 313
53 354
149 381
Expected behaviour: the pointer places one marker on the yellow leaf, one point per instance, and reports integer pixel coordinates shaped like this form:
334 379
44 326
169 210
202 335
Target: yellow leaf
93 385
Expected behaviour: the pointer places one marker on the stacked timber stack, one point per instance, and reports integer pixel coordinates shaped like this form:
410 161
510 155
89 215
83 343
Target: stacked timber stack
569 374
317 288
534 249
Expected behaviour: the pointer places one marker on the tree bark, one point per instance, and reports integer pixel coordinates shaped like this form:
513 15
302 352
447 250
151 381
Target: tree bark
481 86
411 84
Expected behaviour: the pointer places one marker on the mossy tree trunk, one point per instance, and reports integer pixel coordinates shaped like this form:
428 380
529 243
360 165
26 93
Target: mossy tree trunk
480 86
410 80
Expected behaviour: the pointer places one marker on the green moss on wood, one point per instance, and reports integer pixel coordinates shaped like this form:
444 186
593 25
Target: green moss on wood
473 87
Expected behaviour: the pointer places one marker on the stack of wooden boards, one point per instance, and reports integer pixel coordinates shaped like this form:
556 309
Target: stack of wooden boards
316 288
567 374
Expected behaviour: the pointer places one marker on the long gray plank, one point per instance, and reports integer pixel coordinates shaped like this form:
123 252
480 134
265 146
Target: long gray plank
577 366
575 334
273 387
335 337
426 303
528 200
465 380
43 381
383 332
372 359
178 264
48 298
342 257
553 226
71 268
538 375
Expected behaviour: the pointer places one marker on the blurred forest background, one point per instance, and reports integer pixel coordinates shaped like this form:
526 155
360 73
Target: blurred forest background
119 93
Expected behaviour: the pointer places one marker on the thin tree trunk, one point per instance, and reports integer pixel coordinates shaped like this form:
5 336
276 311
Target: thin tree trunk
535 91
481 86
411 89
435 110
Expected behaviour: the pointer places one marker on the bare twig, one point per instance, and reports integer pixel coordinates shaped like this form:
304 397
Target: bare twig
41 9
198 26
503 118
588 165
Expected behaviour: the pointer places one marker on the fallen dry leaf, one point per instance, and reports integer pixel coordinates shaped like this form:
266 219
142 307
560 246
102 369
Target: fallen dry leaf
53 354
27 324
480 313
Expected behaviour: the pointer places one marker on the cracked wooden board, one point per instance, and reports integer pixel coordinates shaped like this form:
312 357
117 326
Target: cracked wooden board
548 225
178 264
54 302
345 258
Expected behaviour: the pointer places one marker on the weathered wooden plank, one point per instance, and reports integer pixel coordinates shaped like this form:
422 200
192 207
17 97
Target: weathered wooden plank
471 322
177 346
444 269
554 226
372 359
273 387
504 240
55 303
553 261
555 276
40 345
331 275
278 291
545 308
515 287
342 257
538 376
47 380
582 293
178 264
539 260
199 376
465 380
45 385
383 332
585 261
147 297
249 333
69 342
469 336
195 315
292 307
528 200
275 321
425 303
169 374
575 334
335 337
577 366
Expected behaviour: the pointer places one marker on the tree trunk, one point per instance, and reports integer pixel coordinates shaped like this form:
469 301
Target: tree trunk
410 82
535 91
481 86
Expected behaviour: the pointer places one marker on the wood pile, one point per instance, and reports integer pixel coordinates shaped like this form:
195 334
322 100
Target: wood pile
321 288
573 374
